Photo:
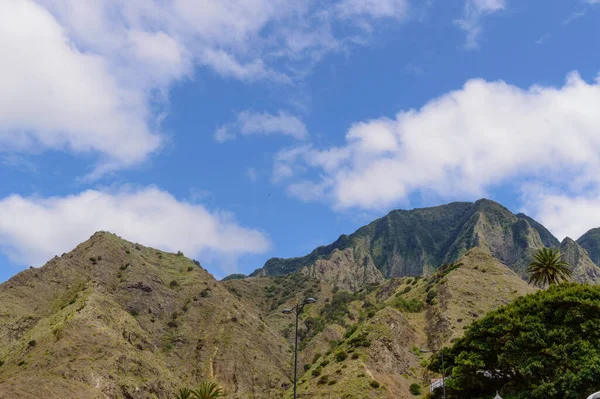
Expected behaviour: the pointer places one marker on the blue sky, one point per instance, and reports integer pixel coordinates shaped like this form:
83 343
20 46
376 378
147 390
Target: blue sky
241 130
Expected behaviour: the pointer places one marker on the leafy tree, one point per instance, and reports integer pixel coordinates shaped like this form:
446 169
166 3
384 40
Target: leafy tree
548 268
208 390
183 393
544 345
415 389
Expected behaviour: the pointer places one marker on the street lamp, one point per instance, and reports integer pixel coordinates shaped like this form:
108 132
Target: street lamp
443 370
297 310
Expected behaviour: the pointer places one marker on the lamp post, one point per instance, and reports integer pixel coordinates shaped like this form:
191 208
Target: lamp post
443 370
296 310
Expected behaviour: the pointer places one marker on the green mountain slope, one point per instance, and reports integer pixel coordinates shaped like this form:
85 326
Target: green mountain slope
590 241
116 319
416 242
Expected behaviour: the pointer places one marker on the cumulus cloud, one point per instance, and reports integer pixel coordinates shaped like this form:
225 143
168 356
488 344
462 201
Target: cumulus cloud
34 229
256 123
89 76
474 12
458 145
54 96
563 214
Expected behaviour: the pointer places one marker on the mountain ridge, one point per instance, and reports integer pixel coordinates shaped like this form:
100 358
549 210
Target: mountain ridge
410 243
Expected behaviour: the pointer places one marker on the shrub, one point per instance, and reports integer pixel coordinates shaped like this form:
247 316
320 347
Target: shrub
124 267
351 330
360 340
134 312
99 258
316 357
179 253
196 262
204 293
1 363
173 284
408 305
32 343
324 363
341 356
430 297
317 371
127 251
355 356
190 268
322 380
21 363
307 366
415 389
332 382
407 289
173 324
374 384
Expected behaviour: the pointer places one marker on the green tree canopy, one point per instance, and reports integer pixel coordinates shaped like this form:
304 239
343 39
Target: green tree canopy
544 345
548 268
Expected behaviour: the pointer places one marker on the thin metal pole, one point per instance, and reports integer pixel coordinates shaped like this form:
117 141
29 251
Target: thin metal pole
443 374
298 310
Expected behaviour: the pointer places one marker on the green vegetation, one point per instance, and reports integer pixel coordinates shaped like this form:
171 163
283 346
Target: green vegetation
415 389
548 268
542 346
341 356
337 310
206 390
235 276
408 305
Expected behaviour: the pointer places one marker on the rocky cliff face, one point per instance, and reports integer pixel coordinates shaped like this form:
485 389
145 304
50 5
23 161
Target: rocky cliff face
590 241
584 270
417 242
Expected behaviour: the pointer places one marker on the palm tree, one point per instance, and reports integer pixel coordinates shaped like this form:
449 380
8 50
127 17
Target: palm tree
548 268
208 390
183 393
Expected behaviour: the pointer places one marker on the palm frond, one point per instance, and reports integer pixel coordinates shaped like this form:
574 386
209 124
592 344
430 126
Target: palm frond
208 390
548 268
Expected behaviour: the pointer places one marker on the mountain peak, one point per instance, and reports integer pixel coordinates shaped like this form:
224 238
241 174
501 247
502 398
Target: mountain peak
417 241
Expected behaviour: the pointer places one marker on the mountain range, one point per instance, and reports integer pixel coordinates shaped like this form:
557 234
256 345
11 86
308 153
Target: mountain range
116 319
415 242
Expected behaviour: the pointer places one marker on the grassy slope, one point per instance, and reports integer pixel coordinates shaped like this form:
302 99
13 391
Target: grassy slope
131 333
393 333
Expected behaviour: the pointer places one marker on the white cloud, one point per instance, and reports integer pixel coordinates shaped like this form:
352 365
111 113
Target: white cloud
564 215
474 12
54 96
33 229
87 76
255 123
459 145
